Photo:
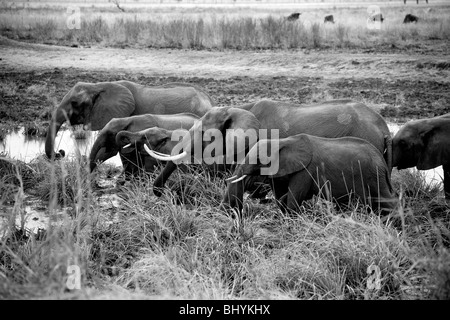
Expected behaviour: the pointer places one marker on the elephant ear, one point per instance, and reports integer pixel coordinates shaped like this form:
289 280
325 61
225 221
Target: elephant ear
157 136
295 154
241 128
110 100
436 148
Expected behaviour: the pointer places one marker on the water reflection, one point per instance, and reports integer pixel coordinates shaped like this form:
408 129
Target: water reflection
25 148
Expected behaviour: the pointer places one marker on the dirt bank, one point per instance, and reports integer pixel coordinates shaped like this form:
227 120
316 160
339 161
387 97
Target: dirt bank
399 84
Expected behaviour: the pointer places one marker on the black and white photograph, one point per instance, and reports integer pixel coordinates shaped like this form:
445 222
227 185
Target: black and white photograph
223 156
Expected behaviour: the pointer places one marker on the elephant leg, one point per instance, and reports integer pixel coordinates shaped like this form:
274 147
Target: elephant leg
300 186
446 168
280 190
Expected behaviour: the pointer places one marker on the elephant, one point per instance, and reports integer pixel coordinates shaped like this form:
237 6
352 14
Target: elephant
302 165
293 16
107 145
158 140
95 104
329 18
424 144
331 119
409 18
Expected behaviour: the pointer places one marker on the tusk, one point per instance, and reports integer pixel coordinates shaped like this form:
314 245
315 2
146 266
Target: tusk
241 178
127 146
161 154
231 178
165 157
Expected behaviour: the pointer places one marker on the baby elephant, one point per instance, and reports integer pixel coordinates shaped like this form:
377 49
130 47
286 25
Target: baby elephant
301 166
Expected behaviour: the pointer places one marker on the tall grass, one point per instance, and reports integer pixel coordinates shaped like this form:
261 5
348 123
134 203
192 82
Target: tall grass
229 29
148 247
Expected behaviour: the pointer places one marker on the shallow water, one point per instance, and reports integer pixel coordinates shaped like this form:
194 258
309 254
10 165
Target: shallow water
22 147
25 148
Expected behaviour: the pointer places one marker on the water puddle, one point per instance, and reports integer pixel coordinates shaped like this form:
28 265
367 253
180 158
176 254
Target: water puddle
25 148
433 176
35 216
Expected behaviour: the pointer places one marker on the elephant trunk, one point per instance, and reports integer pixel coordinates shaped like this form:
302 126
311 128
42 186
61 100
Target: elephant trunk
160 181
187 147
233 197
104 148
59 117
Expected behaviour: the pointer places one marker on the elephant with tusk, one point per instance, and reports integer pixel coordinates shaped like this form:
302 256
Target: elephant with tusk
121 131
95 104
302 165
424 144
330 119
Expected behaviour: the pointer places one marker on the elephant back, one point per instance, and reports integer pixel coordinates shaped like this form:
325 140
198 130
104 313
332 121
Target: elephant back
170 98
330 119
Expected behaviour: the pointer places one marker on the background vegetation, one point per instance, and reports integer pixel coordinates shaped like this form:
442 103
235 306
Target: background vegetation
241 28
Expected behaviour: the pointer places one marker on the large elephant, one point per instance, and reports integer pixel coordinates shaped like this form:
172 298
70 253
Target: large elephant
424 144
158 140
335 118
107 145
95 104
302 165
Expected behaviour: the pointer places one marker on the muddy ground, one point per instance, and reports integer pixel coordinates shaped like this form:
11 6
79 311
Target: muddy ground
400 84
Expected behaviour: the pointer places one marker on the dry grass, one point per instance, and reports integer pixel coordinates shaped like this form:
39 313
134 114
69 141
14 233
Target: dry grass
224 28
147 247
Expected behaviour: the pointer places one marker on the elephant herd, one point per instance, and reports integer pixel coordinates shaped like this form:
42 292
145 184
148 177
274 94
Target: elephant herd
339 149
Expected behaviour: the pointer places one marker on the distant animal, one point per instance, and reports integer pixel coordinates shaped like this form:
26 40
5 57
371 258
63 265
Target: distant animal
409 18
376 17
404 1
293 16
329 18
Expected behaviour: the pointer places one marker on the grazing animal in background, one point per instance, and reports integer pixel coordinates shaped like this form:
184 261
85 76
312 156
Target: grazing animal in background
424 144
329 18
293 16
376 17
409 18
335 168
404 1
